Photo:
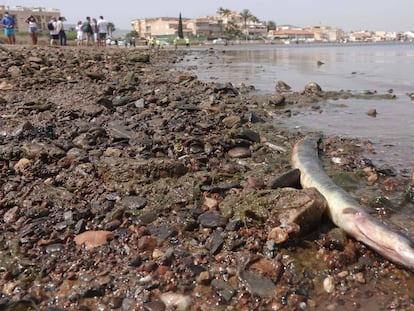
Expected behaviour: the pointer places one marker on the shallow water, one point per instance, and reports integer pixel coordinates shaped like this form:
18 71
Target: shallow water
379 67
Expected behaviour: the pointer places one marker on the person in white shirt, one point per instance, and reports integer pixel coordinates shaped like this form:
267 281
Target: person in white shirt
31 20
80 35
103 30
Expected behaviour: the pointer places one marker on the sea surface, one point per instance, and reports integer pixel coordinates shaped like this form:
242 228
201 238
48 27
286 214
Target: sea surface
382 67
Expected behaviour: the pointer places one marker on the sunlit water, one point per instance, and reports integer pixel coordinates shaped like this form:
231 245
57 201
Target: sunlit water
380 67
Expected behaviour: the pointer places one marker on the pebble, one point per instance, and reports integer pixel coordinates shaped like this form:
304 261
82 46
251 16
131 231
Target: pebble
329 284
92 239
176 301
239 152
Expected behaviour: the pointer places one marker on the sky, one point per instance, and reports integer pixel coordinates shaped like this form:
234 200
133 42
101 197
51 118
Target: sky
350 15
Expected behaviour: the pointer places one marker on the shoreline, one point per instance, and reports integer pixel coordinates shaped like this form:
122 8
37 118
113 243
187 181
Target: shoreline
124 183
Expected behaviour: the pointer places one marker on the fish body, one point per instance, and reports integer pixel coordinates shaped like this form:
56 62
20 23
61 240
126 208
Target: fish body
345 211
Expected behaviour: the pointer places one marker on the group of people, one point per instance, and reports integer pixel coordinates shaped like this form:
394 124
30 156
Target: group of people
92 31
57 31
89 32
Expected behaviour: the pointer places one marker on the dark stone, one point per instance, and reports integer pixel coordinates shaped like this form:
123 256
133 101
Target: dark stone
335 239
215 242
212 220
289 179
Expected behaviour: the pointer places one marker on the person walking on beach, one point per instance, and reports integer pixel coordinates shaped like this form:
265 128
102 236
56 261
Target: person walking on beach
54 34
9 24
31 20
94 25
175 42
61 31
80 35
87 29
102 31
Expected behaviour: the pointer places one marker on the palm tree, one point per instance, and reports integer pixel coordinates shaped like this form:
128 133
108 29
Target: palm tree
271 25
233 29
223 13
111 28
246 15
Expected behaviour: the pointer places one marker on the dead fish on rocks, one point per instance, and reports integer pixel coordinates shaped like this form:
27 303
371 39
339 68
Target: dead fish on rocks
345 211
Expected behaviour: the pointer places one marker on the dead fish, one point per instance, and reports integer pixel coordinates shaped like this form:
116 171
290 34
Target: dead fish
345 211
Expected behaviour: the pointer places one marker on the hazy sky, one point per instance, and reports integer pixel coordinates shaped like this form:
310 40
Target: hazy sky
385 15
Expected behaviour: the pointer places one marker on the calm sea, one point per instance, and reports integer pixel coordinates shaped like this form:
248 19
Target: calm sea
356 67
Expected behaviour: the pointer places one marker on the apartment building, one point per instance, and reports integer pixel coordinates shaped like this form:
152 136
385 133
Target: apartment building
204 25
160 26
20 14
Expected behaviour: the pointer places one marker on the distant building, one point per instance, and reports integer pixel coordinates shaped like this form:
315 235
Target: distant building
360 36
20 14
291 35
159 26
204 25
326 33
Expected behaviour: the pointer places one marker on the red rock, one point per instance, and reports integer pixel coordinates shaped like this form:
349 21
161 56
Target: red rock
93 239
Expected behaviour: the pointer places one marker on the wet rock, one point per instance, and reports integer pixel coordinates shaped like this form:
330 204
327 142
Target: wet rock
313 88
254 118
372 113
335 239
226 88
257 284
282 86
277 100
386 170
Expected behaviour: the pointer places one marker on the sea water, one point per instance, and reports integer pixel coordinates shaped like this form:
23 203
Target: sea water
381 68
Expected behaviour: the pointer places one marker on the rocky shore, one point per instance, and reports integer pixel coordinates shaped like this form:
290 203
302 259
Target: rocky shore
126 184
